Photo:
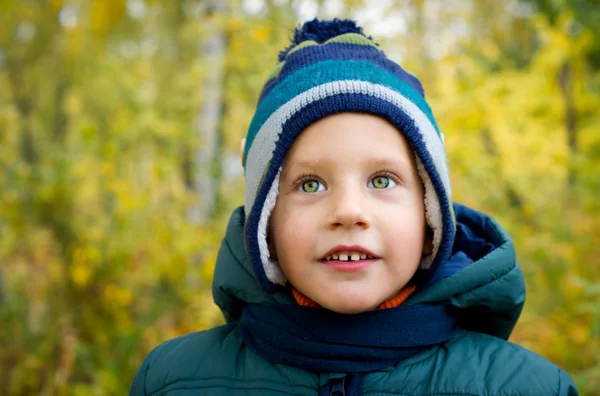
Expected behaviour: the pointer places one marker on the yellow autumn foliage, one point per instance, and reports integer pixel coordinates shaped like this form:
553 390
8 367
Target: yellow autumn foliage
100 259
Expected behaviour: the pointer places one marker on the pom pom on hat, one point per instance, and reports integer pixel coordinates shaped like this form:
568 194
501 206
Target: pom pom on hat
321 31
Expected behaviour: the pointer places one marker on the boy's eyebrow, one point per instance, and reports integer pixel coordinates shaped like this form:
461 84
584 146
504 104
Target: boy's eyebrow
308 164
303 166
390 162
314 164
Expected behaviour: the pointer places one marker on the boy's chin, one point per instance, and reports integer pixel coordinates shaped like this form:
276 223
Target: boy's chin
350 298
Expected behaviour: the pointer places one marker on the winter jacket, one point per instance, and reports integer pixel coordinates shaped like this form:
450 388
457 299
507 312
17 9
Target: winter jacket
487 297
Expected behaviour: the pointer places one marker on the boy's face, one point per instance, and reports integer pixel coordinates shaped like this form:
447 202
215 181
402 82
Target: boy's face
349 187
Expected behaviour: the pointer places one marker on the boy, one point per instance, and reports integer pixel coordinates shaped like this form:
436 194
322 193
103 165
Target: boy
349 271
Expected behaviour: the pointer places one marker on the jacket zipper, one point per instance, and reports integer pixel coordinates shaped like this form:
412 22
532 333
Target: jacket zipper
338 386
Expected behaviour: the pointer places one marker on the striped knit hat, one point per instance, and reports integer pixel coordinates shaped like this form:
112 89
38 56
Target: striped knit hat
332 67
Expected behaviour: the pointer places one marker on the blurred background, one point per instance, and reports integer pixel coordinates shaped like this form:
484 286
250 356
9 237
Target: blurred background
120 127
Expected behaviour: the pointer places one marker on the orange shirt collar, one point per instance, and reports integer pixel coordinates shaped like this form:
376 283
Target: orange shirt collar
393 302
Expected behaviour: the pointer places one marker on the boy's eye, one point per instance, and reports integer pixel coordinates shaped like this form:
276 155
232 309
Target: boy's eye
312 186
381 182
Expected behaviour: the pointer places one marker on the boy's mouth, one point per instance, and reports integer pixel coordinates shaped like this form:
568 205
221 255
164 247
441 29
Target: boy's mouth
348 253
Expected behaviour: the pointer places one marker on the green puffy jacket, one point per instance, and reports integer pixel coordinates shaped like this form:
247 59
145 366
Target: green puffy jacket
488 296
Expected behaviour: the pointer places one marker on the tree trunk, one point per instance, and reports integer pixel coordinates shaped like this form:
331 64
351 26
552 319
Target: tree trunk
24 107
565 80
207 158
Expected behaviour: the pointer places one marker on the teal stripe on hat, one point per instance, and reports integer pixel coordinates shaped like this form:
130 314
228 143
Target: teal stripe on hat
328 71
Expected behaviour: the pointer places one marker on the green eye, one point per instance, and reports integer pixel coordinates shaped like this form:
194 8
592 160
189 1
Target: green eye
311 186
381 182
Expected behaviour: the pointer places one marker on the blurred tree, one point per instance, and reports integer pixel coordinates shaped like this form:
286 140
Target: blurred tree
585 15
118 117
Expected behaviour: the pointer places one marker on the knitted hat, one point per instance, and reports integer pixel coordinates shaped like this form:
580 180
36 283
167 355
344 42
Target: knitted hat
332 67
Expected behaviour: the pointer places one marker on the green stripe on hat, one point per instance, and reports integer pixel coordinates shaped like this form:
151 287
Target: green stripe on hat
352 38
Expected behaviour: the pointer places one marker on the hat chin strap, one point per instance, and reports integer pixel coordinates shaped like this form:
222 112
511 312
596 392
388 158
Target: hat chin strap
433 218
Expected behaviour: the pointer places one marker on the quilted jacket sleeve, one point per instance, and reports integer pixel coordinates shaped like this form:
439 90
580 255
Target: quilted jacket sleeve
138 387
566 387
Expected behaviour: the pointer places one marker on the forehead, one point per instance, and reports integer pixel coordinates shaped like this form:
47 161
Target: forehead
351 138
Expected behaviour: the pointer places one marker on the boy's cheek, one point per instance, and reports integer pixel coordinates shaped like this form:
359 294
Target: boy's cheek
299 201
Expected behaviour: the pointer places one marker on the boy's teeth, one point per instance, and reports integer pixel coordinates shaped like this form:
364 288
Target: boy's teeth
348 256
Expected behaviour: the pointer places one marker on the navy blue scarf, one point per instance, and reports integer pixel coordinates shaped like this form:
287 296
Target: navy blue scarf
323 341
319 340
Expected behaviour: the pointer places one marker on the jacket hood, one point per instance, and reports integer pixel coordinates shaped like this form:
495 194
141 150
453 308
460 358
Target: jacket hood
481 281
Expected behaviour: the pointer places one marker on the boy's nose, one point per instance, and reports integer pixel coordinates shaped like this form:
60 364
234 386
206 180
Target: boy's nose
347 211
